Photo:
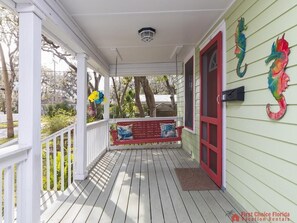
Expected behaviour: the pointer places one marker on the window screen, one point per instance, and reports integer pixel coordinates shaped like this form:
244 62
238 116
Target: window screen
189 93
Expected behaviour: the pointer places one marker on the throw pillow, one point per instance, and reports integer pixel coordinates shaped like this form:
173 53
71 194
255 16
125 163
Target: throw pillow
125 132
167 130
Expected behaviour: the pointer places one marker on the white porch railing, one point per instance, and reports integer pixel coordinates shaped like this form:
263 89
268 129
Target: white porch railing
97 141
57 159
12 180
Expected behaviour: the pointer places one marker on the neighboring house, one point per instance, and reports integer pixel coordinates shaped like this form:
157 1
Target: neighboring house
163 105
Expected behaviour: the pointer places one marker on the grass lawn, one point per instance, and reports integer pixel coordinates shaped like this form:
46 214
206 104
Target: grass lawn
4 125
4 140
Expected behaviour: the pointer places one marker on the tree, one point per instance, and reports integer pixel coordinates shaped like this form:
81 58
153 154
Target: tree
9 37
137 96
119 94
149 95
172 91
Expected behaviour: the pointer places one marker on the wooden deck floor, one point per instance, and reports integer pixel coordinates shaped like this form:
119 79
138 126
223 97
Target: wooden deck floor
137 186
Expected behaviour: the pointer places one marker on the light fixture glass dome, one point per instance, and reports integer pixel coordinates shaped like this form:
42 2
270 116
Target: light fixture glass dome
147 34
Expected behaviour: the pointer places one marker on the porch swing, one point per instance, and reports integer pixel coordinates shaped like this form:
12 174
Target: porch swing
146 130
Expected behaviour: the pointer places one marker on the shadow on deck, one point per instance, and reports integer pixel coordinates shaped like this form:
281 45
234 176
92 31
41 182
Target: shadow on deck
137 186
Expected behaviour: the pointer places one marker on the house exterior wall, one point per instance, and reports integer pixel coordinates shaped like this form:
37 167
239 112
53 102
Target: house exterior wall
261 154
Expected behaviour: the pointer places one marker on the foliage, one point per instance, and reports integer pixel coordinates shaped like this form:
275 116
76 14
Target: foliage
58 117
5 140
58 167
125 106
64 107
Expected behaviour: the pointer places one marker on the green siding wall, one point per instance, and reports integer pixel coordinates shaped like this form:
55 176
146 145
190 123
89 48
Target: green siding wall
261 153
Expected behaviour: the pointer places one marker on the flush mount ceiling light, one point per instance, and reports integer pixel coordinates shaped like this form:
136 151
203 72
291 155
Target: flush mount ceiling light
147 34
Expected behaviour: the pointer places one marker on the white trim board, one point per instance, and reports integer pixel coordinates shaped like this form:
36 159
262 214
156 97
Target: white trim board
146 69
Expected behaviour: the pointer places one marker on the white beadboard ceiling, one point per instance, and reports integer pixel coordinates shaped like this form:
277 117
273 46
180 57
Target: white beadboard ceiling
114 24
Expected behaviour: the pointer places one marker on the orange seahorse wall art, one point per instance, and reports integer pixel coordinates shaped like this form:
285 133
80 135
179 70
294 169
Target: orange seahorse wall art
277 77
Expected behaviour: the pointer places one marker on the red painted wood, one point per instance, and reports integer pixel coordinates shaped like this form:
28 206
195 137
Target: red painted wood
216 121
146 132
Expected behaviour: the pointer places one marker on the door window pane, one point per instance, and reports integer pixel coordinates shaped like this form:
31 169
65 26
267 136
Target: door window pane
209 83
204 154
213 135
213 161
204 131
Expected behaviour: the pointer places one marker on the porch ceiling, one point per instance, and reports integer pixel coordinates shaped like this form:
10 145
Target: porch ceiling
111 24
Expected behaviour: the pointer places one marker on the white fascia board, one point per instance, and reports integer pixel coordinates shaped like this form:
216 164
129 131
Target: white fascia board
146 69
58 15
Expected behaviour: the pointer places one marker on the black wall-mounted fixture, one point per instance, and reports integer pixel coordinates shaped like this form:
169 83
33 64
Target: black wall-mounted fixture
236 94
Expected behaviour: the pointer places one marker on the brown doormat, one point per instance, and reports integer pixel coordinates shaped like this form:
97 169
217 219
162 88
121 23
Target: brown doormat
194 179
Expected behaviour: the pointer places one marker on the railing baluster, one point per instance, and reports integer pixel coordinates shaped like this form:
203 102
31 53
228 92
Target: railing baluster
55 162
9 194
62 160
20 192
48 167
69 156
1 194
41 166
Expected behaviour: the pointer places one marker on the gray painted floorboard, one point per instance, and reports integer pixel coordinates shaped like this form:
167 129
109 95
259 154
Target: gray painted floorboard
136 186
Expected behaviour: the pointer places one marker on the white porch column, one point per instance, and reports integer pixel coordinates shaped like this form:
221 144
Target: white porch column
30 25
106 107
81 109
107 95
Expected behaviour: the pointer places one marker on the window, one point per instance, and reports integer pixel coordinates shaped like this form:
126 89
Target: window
213 62
189 94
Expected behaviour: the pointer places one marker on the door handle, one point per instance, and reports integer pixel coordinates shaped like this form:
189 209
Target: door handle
218 99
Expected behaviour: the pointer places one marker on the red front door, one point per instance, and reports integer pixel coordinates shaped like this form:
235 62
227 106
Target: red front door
211 109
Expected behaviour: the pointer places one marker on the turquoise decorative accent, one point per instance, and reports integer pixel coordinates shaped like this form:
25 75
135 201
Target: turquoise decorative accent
240 46
168 130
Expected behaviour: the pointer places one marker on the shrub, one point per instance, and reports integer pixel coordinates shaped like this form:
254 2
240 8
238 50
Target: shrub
60 120
52 110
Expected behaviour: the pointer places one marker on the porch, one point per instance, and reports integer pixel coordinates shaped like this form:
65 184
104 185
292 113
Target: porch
137 186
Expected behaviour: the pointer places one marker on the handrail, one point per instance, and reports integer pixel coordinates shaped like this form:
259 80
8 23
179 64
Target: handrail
12 162
8 151
58 132
91 124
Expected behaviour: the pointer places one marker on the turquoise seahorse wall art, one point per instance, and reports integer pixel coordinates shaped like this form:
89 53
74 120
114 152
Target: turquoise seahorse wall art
240 46
277 77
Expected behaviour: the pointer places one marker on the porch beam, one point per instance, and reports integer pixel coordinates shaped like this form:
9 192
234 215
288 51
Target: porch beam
30 25
146 69
81 114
